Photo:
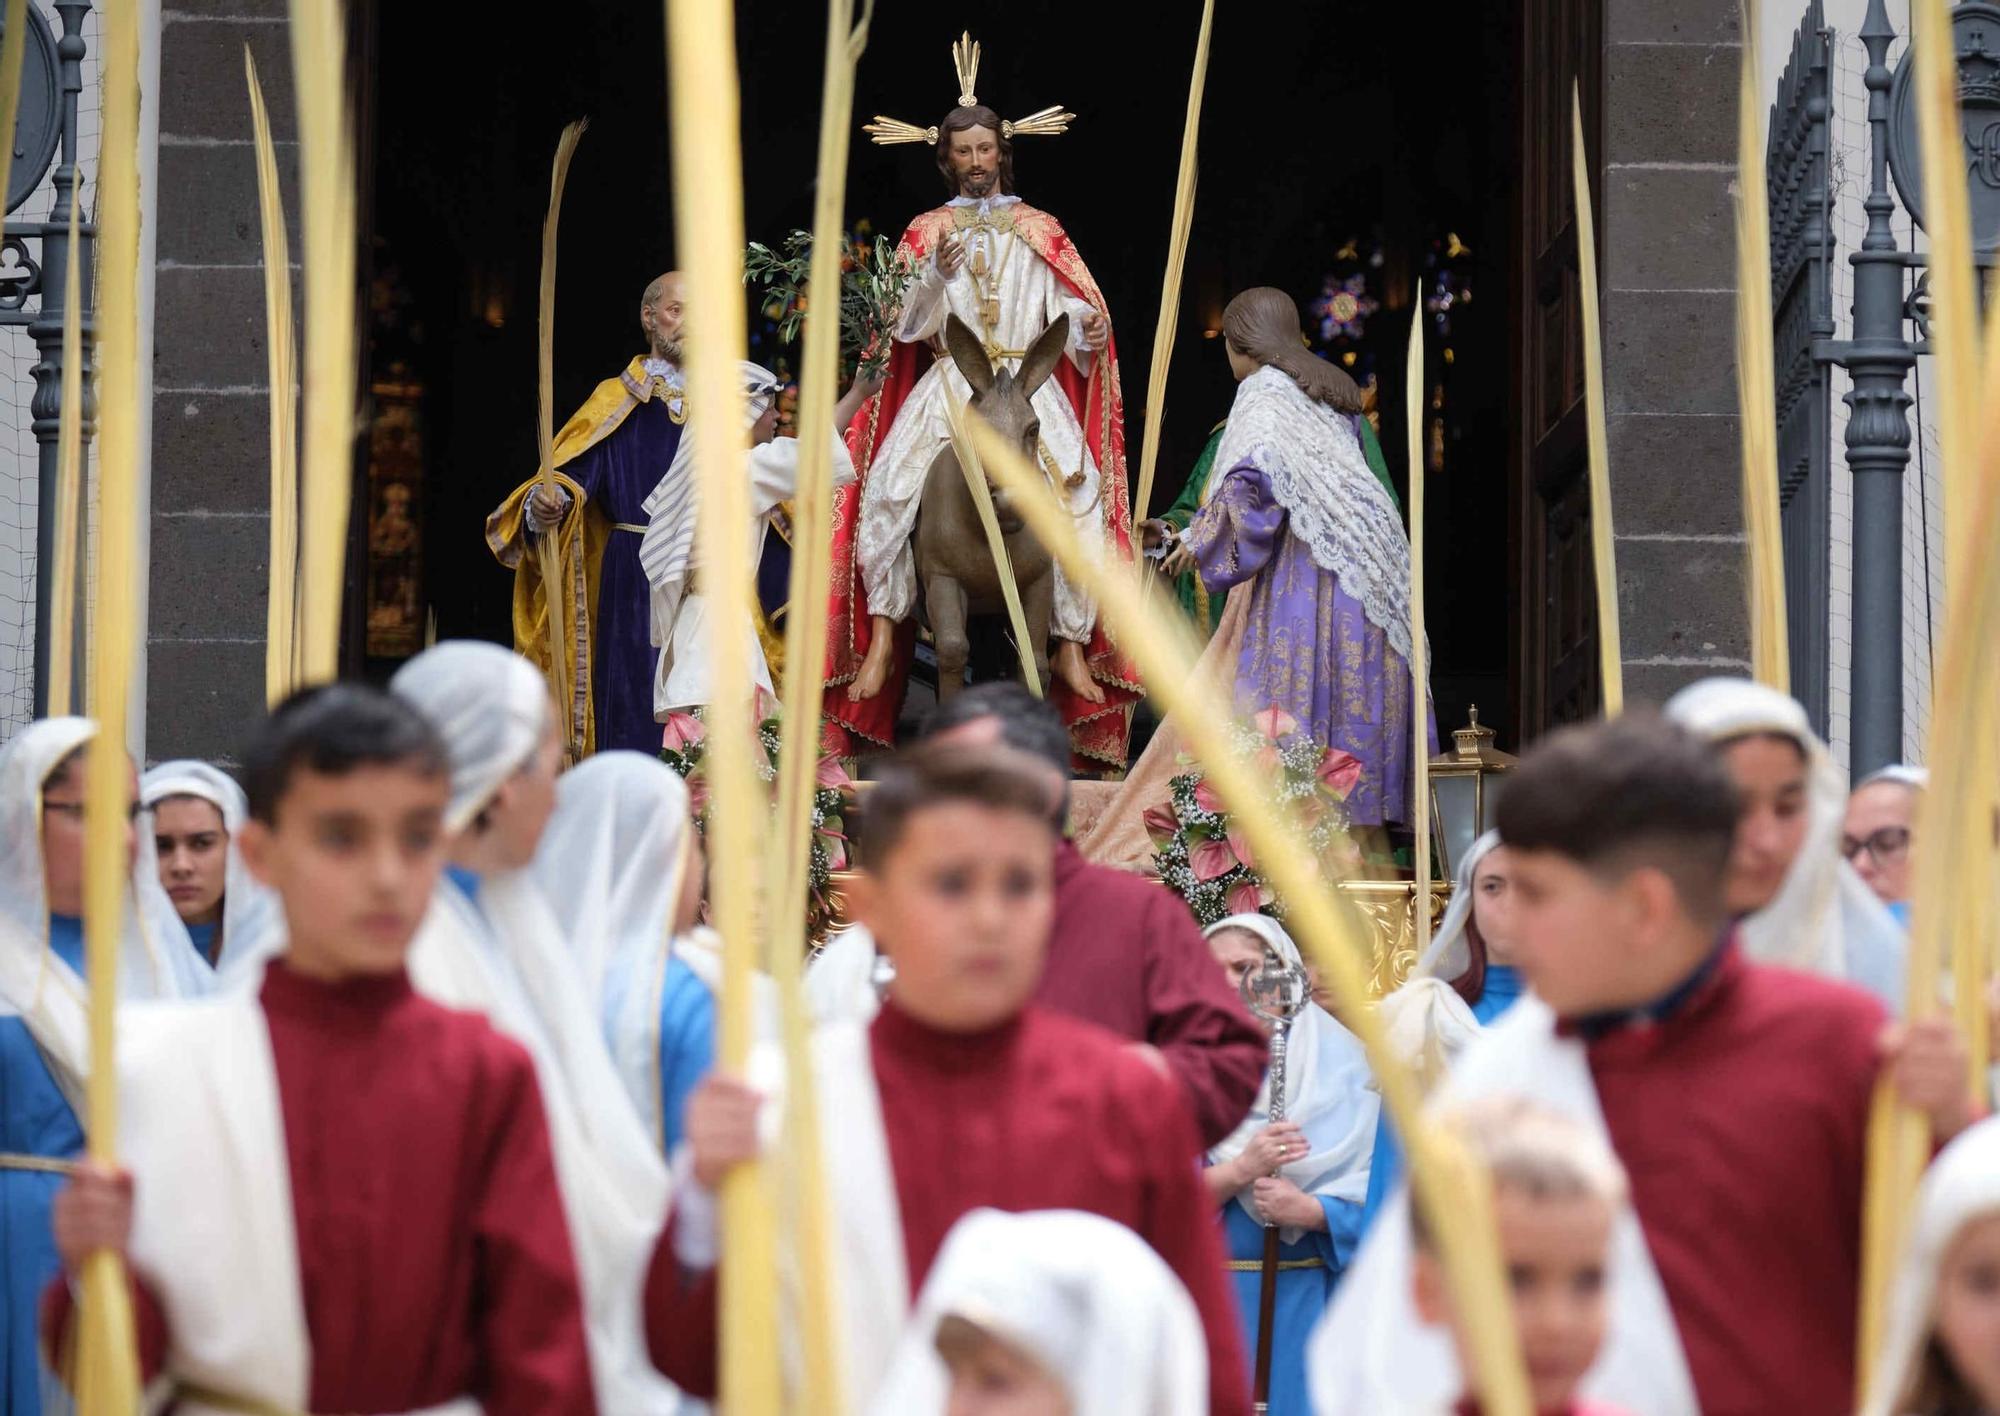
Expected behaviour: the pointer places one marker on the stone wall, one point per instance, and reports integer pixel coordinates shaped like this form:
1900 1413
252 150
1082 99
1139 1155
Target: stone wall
1669 276
211 493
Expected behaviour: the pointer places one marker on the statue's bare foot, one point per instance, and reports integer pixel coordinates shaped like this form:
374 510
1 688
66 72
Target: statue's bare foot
1073 670
874 673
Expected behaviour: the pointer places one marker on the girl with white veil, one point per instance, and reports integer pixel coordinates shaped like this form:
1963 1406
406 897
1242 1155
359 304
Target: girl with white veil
1076 1312
44 1022
622 868
1940 1356
1464 982
248 911
491 944
1307 1175
1798 903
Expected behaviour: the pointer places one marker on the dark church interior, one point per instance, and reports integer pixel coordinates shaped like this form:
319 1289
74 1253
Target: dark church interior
1348 152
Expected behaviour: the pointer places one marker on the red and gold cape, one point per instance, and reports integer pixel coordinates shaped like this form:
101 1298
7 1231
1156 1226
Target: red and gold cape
1098 731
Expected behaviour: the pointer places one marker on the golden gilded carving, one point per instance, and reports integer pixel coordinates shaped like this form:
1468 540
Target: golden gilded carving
1384 914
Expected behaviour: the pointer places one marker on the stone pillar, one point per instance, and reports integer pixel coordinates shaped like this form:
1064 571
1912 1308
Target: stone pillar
1669 273
211 464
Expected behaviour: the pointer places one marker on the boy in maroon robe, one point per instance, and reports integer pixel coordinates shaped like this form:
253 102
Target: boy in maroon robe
1736 1094
341 1196
1124 952
963 1093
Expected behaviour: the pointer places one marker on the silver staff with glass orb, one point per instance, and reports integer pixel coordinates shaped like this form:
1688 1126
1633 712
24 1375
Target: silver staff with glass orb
1275 991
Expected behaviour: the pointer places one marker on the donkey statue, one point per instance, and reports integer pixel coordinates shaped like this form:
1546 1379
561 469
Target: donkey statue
954 563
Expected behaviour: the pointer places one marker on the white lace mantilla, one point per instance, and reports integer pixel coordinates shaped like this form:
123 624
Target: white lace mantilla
1313 461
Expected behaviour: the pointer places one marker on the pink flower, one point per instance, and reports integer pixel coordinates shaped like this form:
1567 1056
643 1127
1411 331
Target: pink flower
683 730
1240 844
1267 760
697 795
1339 772
1160 824
832 774
1206 799
1248 898
1211 860
836 851
1275 723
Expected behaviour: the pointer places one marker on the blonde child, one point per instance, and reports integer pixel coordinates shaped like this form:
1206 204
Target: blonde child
1557 1191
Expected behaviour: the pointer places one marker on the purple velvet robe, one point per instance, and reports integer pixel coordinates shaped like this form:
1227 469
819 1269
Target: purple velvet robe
1308 648
617 475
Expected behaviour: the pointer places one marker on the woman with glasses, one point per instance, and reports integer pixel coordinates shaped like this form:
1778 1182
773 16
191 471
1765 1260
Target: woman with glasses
44 1024
1875 839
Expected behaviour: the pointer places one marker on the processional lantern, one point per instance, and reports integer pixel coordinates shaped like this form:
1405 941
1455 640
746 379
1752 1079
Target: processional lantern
1465 790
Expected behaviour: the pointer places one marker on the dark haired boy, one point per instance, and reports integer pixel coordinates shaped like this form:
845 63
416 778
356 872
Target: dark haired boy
1124 952
1735 1094
341 1196
962 1093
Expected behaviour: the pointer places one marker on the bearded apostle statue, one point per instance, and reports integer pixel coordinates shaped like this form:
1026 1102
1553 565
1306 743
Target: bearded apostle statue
609 457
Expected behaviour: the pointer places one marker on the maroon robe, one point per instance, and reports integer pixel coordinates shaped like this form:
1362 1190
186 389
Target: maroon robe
1042 1113
1742 1118
433 1254
1125 954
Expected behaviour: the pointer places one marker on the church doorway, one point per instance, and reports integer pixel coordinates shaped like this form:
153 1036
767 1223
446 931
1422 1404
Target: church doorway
1361 157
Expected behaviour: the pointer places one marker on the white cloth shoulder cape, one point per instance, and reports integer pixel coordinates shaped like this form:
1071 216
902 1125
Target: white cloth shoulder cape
506 959
1371 1353
212 1217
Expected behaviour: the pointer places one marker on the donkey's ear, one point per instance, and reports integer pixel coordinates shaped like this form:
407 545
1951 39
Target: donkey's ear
969 354
1042 357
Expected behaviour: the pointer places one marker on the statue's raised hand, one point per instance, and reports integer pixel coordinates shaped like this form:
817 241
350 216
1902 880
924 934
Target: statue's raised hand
951 256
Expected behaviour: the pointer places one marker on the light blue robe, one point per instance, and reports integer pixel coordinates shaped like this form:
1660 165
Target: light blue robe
1302 1294
35 1119
685 1046
1504 987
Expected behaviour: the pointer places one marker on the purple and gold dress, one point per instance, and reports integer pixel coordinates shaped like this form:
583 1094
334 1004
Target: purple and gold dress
1300 515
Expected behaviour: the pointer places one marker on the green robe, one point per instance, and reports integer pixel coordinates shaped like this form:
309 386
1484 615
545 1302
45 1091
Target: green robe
1195 601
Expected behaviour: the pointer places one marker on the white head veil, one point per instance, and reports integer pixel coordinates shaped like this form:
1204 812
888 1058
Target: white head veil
1963 1184
1327 1092
611 866
1824 919
1428 1023
1917 779
505 957
250 912
155 958
1083 1295
491 707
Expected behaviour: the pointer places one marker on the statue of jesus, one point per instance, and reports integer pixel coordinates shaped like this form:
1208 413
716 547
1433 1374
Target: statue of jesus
1007 270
